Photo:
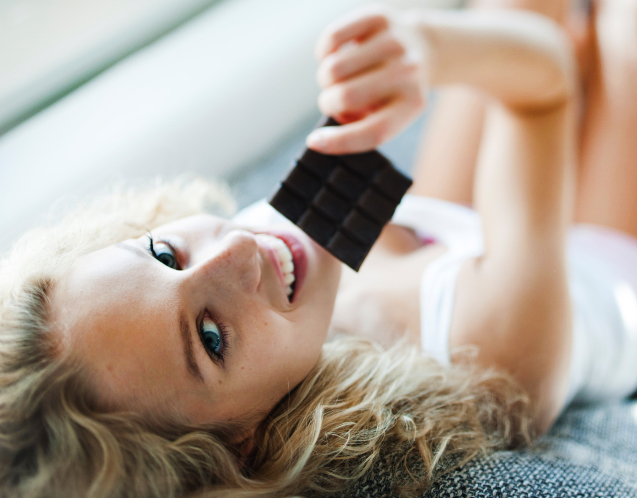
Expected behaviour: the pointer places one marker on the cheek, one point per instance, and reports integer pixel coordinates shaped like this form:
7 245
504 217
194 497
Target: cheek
271 341
280 353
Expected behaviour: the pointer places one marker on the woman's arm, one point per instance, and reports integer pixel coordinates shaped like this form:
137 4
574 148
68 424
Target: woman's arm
513 302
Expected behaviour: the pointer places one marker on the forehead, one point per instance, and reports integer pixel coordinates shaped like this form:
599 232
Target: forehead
104 282
196 226
111 310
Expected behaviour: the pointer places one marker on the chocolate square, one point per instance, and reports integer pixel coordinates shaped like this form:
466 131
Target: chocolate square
321 165
317 227
376 206
347 250
303 183
360 228
366 164
331 205
347 184
392 183
288 204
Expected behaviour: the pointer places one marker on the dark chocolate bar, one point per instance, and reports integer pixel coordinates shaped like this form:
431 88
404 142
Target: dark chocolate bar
343 201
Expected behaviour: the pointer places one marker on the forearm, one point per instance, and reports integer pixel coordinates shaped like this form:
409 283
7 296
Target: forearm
446 160
521 59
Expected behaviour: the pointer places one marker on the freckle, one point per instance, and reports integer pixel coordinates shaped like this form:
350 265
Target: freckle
219 382
109 368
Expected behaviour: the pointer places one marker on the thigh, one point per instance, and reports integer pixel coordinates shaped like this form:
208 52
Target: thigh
607 182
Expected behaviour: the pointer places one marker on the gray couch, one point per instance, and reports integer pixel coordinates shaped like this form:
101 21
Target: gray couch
590 452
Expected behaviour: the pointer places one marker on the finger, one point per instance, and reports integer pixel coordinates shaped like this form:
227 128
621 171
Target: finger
366 134
368 90
344 64
349 117
356 26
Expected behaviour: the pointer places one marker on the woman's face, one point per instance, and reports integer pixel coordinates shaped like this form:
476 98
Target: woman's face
199 324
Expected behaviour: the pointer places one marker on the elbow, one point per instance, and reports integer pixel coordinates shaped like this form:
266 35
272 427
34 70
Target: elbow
553 89
542 420
544 417
548 399
550 73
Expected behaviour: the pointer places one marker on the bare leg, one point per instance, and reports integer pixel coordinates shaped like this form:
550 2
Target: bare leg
607 185
445 163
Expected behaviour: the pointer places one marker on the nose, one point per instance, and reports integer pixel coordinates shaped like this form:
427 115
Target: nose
231 261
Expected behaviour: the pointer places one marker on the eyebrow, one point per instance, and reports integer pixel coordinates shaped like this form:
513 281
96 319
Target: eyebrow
138 251
186 339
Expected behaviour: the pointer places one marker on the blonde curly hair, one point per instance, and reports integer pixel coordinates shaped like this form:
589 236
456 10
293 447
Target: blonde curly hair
357 401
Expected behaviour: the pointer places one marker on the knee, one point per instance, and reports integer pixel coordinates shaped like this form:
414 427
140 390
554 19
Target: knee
555 9
616 29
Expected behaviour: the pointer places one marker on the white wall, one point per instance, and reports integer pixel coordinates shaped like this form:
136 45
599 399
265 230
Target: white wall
48 46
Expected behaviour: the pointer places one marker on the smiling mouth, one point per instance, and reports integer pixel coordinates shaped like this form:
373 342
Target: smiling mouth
283 257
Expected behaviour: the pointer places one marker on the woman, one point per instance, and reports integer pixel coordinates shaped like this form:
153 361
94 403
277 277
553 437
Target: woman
148 354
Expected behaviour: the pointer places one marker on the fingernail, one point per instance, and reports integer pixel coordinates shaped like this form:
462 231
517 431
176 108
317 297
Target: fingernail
316 139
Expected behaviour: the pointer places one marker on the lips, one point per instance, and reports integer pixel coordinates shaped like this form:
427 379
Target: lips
299 260
282 260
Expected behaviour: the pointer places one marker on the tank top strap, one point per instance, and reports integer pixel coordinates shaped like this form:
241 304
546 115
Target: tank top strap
459 229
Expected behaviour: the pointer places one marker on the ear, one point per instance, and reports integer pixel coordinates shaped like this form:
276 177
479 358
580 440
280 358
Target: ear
246 447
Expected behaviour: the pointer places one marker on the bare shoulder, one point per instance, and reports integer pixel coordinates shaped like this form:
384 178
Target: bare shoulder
382 301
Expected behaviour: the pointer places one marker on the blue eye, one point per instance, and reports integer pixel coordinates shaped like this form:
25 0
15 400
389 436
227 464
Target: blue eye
211 337
163 253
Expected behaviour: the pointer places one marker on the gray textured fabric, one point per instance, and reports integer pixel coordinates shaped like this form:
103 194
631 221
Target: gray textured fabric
590 452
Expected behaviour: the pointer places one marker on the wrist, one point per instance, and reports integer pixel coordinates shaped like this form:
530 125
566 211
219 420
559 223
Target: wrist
428 27
417 37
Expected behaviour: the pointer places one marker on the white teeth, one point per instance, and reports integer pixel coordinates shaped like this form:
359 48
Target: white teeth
284 257
284 253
